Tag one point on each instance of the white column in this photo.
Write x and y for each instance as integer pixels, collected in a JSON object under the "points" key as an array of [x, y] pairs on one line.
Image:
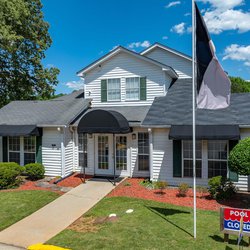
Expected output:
{"points": [[62, 151], [151, 151]]}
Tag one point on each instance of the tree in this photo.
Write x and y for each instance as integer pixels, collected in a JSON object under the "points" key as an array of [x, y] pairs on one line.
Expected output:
{"points": [[239, 85], [239, 158], [24, 38]]}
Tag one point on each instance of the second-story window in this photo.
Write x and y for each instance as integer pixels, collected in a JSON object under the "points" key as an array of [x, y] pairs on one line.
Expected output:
{"points": [[114, 89], [133, 88]]}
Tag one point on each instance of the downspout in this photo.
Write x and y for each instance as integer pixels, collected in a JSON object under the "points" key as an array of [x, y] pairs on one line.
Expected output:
{"points": [[72, 130], [150, 153], [63, 151]]}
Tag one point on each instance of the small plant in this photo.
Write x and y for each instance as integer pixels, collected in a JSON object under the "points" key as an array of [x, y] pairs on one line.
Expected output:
{"points": [[161, 185], [127, 184], [34, 171], [221, 188], [183, 189], [9, 171], [202, 190], [147, 184]]}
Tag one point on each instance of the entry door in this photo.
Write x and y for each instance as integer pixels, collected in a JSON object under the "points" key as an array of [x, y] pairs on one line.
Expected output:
{"points": [[104, 152], [121, 154]]}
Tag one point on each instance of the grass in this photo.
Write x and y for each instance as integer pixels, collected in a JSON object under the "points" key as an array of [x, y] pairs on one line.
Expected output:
{"points": [[19, 204], [152, 225]]}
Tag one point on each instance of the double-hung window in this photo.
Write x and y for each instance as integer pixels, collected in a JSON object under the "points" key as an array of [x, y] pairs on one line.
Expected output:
{"points": [[133, 88], [143, 152], [188, 158], [217, 158], [114, 89], [22, 150]]}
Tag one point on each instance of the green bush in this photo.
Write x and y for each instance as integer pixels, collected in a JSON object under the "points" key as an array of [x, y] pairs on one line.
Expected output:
{"points": [[9, 171], [161, 185], [183, 189], [239, 158], [221, 188], [34, 171], [202, 190]]}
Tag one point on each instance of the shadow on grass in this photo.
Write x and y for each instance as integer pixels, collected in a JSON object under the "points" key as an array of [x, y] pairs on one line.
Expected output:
{"points": [[163, 212], [230, 241]]}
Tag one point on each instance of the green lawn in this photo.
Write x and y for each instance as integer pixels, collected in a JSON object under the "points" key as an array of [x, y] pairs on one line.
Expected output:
{"points": [[19, 204], [152, 225]]}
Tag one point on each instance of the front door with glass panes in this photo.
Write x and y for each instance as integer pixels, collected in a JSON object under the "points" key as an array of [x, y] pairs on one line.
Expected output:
{"points": [[104, 155]]}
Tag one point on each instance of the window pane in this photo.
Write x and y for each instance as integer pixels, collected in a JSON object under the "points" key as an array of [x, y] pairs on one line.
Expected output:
{"points": [[14, 143], [121, 153], [143, 151], [188, 149], [216, 168], [14, 157], [114, 89], [82, 149], [217, 150], [132, 88], [29, 144], [188, 168], [29, 158], [103, 152]]}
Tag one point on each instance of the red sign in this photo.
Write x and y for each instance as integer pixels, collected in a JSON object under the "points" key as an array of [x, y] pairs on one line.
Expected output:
{"points": [[232, 219]]}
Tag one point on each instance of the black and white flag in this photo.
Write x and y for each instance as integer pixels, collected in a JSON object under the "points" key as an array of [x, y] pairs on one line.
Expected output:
{"points": [[213, 84]]}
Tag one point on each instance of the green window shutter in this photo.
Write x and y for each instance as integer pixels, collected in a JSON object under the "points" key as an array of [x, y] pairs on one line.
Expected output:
{"points": [[232, 175], [103, 90], [5, 149], [39, 149], [143, 88], [177, 158]]}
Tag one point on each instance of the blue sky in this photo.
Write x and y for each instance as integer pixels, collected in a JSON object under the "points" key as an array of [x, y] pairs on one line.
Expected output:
{"points": [[84, 30]]}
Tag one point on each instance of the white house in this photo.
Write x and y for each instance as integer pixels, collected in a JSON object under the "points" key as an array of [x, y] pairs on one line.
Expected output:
{"points": [[133, 118]]}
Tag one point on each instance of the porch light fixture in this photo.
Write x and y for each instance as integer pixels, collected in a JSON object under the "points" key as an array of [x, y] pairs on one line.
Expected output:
{"points": [[90, 136], [133, 136]]}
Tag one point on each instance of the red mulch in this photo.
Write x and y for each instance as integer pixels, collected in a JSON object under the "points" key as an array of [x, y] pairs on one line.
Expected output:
{"points": [[71, 181], [170, 196]]}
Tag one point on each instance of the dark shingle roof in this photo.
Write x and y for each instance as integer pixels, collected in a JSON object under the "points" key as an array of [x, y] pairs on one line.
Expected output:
{"points": [[134, 115], [176, 109], [59, 111]]}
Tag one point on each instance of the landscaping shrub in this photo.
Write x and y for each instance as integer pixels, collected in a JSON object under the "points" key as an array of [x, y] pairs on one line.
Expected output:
{"points": [[161, 185], [202, 190], [9, 171], [147, 184], [239, 158], [34, 171], [183, 189], [221, 188]]}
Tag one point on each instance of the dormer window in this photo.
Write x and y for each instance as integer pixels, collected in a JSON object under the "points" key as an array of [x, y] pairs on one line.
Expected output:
{"points": [[133, 88]]}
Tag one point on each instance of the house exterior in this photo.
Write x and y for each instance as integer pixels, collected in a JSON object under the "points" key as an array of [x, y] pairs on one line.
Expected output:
{"points": [[133, 118]]}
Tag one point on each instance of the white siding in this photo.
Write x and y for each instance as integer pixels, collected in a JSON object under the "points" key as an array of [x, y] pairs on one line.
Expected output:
{"points": [[122, 66], [182, 66], [68, 143], [1, 148], [51, 156]]}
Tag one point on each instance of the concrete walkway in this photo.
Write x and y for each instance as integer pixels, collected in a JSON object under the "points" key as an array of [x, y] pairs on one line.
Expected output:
{"points": [[45, 223]]}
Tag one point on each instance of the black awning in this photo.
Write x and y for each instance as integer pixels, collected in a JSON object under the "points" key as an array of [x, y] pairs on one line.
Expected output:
{"points": [[205, 132], [103, 121], [19, 130]]}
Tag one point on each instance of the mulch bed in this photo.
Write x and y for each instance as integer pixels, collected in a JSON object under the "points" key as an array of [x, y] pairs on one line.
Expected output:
{"points": [[132, 188], [71, 181]]}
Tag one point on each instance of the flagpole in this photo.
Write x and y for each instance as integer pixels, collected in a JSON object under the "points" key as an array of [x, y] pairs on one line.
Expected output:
{"points": [[194, 106]]}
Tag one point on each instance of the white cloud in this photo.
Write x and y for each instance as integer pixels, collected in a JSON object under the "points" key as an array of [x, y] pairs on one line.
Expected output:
{"points": [[171, 4], [181, 28], [238, 53], [114, 47], [220, 4], [76, 85], [187, 14], [144, 44], [165, 38], [223, 16]]}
